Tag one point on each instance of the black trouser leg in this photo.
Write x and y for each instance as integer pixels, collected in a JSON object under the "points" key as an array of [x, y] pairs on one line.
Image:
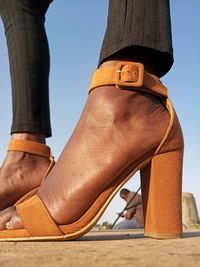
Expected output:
{"points": [[139, 29], [29, 64]]}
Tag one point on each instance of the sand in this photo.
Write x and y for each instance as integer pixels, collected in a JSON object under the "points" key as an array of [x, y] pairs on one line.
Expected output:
{"points": [[106, 248]]}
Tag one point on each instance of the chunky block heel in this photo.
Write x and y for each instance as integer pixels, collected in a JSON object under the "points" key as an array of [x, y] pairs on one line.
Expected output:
{"points": [[161, 182]]}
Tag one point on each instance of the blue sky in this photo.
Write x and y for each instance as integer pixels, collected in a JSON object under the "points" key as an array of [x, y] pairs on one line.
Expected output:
{"points": [[75, 30]]}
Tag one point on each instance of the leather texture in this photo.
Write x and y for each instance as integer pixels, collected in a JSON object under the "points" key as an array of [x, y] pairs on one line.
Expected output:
{"points": [[45, 226], [128, 75], [29, 147]]}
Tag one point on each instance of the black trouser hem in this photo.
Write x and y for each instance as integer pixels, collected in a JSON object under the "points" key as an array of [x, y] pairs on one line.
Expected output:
{"points": [[32, 129], [139, 30], [129, 51]]}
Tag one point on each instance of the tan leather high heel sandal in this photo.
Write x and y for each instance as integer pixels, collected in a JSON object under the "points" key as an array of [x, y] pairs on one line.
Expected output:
{"points": [[161, 174]]}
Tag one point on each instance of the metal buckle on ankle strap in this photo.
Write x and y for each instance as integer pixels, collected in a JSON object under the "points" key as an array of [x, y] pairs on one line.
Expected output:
{"points": [[129, 74]]}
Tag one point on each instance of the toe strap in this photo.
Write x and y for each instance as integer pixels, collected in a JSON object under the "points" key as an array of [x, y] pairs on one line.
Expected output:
{"points": [[36, 218]]}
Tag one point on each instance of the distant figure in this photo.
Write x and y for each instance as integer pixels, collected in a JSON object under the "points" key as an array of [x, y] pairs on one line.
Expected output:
{"points": [[134, 213]]}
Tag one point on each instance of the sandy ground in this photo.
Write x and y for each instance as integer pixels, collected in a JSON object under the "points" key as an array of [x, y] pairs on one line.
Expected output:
{"points": [[109, 248]]}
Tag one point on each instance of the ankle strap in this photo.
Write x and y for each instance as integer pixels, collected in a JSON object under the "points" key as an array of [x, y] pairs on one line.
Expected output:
{"points": [[130, 76], [30, 147]]}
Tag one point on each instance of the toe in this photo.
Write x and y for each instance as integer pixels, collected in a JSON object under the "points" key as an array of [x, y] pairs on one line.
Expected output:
{"points": [[10, 220], [15, 221], [5, 216]]}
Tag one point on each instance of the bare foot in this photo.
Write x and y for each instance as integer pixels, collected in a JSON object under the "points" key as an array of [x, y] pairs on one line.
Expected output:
{"points": [[116, 128], [20, 173]]}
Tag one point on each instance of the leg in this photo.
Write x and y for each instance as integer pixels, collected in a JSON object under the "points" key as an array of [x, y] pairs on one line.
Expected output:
{"points": [[29, 64], [29, 67], [117, 127], [108, 109], [141, 32]]}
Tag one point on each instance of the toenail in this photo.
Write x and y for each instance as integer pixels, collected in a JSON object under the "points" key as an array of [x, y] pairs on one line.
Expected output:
{"points": [[8, 225]]}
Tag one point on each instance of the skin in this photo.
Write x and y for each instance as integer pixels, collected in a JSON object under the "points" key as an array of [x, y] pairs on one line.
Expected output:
{"points": [[125, 197], [116, 128], [127, 214], [21, 172]]}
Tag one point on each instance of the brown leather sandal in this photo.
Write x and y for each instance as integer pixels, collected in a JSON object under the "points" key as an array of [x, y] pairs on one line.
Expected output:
{"points": [[161, 174], [32, 148]]}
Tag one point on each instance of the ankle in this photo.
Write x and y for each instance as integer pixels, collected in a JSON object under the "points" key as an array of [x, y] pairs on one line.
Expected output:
{"points": [[109, 105], [40, 138]]}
